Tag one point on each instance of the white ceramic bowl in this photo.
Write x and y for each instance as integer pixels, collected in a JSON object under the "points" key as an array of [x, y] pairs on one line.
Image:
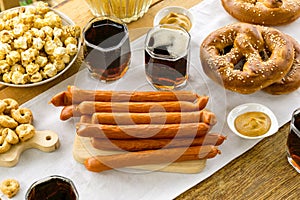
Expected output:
{"points": [[176, 9], [248, 107], [66, 21]]}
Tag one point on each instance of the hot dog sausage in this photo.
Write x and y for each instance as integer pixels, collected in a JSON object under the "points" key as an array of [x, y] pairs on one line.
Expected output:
{"points": [[107, 162], [148, 144], [154, 118], [90, 107], [152, 131], [75, 96]]}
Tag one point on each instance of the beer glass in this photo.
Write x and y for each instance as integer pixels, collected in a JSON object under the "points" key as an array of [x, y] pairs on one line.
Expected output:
{"points": [[293, 141], [106, 48], [167, 52]]}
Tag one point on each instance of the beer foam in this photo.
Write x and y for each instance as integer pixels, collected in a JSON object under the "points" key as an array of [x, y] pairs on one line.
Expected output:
{"points": [[175, 41]]}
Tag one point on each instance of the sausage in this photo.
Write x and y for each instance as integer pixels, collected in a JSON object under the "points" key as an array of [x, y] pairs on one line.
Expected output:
{"points": [[154, 118], [150, 131], [75, 96], [107, 162], [90, 107], [148, 144]]}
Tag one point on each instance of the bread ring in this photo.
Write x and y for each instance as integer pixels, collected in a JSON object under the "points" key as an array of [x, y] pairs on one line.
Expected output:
{"points": [[11, 136], [246, 58], [2, 106], [22, 115], [25, 131], [264, 12], [291, 81], [10, 187], [2, 135], [4, 147], [8, 122], [10, 104]]}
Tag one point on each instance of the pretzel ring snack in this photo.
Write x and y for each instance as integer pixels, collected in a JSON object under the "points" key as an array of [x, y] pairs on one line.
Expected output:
{"points": [[22, 115], [265, 12], [5, 146], [2, 106], [10, 187], [11, 136], [291, 81], [25, 131], [10, 104], [246, 58], [8, 122]]}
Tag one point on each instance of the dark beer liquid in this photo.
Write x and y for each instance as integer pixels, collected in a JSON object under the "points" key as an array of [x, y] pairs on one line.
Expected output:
{"points": [[293, 141], [106, 63], [53, 189], [165, 73]]}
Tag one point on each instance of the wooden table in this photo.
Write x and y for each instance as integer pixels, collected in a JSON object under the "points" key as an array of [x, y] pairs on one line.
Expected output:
{"points": [[261, 173]]}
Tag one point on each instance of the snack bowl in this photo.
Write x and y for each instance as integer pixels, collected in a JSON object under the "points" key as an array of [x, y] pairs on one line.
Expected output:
{"points": [[252, 107], [175, 9], [65, 21]]}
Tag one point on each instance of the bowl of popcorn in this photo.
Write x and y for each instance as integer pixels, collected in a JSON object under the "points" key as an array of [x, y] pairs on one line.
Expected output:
{"points": [[37, 45]]}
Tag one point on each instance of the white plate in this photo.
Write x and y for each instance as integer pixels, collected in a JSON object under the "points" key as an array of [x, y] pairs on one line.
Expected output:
{"points": [[176, 9], [248, 107], [66, 21]]}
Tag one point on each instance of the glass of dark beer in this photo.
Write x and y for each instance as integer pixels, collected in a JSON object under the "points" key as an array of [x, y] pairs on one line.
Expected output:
{"points": [[106, 48], [293, 141], [167, 51], [52, 187]]}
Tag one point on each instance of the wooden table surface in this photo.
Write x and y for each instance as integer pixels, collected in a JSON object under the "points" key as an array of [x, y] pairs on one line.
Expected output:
{"points": [[261, 173]]}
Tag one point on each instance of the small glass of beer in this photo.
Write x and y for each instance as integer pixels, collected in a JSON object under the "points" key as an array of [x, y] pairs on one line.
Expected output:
{"points": [[293, 141], [106, 48], [167, 51]]}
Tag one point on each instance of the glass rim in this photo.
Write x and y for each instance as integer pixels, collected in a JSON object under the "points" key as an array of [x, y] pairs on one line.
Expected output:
{"points": [[168, 27], [104, 17], [297, 131]]}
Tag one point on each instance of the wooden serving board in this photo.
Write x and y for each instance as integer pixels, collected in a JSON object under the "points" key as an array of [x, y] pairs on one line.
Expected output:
{"points": [[46, 141], [83, 149]]}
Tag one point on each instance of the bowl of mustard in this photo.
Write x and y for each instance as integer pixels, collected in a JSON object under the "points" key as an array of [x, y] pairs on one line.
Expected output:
{"points": [[174, 15], [252, 121]]}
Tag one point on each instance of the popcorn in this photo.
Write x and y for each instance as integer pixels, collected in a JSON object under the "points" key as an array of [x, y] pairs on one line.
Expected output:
{"points": [[59, 52], [34, 44], [6, 36], [13, 57], [32, 68], [50, 70]]}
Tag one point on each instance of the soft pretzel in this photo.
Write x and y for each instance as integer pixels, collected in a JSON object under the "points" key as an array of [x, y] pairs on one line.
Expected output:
{"points": [[22, 115], [264, 12], [291, 81], [246, 58], [10, 187], [25, 131]]}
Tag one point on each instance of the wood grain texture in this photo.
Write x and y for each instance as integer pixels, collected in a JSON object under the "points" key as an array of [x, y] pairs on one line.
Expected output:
{"points": [[261, 173]]}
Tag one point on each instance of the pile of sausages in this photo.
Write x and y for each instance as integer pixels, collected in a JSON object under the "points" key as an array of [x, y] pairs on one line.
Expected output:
{"points": [[146, 127]]}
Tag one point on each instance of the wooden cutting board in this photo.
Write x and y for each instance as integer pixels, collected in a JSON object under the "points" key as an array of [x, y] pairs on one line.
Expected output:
{"points": [[46, 141], [83, 149]]}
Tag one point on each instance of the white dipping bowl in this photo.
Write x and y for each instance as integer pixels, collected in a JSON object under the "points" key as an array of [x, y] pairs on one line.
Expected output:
{"points": [[252, 107], [176, 9]]}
